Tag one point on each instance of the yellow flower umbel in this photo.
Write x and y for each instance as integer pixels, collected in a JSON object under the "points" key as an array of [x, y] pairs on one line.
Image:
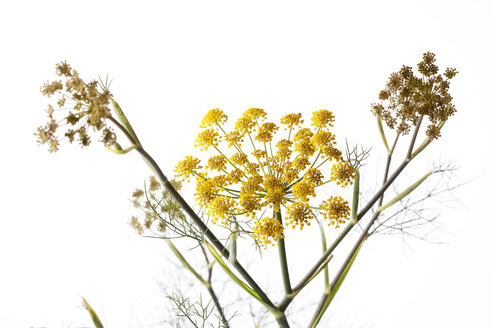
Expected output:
{"points": [[259, 171]]}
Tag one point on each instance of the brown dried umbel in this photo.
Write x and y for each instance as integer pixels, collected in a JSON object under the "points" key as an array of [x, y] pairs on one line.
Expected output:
{"points": [[407, 97], [87, 106]]}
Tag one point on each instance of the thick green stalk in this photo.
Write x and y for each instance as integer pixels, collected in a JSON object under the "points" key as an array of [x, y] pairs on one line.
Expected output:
{"points": [[283, 259], [323, 247], [282, 320], [355, 198]]}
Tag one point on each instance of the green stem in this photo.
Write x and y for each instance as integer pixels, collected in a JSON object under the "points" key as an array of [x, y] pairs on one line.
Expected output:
{"points": [[254, 148], [233, 252], [383, 135], [284, 303], [235, 145], [338, 279], [211, 290], [266, 158], [218, 307], [426, 142], [185, 263], [283, 259], [315, 160], [216, 148], [323, 247], [355, 197], [236, 279], [282, 320], [404, 193], [330, 293], [323, 267]]}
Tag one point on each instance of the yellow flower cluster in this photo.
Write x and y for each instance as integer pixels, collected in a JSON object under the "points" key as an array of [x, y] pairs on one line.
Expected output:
{"points": [[213, 116], [217, 163], [336, 209], [187, 166], [299, 214], [343, 174], [267, 231], [256, 175], [291, 120], [207, 138]]}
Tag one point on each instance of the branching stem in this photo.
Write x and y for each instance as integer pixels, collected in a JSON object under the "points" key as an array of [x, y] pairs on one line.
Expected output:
{"points": [[196, 219]]}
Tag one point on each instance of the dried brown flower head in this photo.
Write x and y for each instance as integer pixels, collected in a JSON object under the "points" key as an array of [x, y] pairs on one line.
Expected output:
{"points": [[407, 97], [85, 107]]}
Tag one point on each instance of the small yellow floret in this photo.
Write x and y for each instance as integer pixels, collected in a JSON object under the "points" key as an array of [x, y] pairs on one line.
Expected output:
{"points": [[300, 163], [322, 118], [323, 142], [304, 133], [235, 175], [213, 116], [291, 120], [303, 189], [206, 191], [207, 138], [234, 138], [314, 176], [244, 125], [221, 208], [268, 231], [217, 163], [239, 158], [343, 174], [271, 182], [187, 166], [252, 185], [304, 147], [249, 203], [299, 214], [336, 209], [275, 197], [255, 114], [284, 151], [265, 132]]}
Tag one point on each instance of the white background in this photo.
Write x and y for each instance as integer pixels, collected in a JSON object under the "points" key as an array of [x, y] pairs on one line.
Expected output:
{"points": [[64, 232]]}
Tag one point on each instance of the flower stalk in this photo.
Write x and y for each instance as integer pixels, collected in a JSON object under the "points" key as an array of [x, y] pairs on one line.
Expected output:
{"points": [[235, 190], [284, 268]]}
